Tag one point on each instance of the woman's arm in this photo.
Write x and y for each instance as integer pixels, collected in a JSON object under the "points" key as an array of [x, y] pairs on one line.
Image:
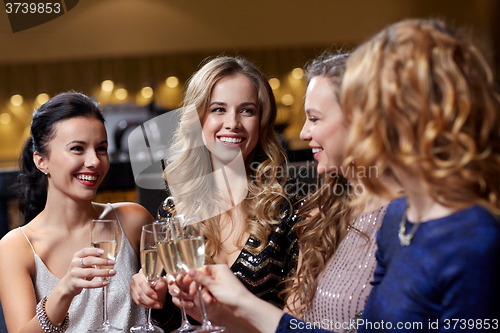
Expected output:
{"points": [[218, 313], [225, 288]]}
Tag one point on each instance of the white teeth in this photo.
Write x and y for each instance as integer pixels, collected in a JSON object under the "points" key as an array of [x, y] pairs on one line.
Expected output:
{"points": [[230, 140], [316, 150], [87, 178]]}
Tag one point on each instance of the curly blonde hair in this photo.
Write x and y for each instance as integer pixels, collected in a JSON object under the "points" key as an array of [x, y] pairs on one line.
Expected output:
{"points": [[421, 97], [320, 234], [191, 159]]}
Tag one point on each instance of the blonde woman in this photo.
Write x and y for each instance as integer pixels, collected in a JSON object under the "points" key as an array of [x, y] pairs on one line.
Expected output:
{"points": [[422, 103], [337, 240], [235, 106]]}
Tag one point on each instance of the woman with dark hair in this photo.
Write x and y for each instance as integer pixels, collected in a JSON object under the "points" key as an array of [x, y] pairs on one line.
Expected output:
{"points": [[48, 260]]}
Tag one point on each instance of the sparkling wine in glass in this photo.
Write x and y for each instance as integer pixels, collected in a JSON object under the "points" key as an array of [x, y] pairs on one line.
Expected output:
{"points": [[191, 249], [103, 235], [167, 233], [151, 268]]}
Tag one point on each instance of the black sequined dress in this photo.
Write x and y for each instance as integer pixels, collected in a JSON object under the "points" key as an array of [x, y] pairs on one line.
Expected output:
{"points": [[261, 273]]}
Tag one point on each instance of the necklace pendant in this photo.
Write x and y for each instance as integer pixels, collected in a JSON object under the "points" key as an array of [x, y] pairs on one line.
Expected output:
{"points": [[404, 240]]}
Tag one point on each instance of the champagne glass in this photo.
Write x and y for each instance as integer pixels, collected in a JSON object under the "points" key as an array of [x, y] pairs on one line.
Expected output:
{"points": [[167, 233], [151, 268], [191, 249], [103, 234]]}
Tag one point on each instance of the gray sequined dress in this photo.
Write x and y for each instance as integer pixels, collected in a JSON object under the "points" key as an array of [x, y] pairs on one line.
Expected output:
{"points": [[344, 285]]}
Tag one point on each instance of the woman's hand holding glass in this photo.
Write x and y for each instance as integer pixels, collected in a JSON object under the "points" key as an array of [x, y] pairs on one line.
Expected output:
{"points": [[147, 295], [221, 287], [84, 270], [184, 293]]}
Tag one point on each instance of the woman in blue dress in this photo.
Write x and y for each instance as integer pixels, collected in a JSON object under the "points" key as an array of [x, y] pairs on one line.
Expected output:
{"points": [[422, 103]]}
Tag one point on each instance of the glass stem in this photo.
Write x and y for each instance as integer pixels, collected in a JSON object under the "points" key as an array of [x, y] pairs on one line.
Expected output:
{"points": [[206, 322], [105, 322], [148, 324], [185, 322]]}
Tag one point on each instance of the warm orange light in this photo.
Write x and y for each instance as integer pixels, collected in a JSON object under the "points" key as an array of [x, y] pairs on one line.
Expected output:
{"points": [[287, 99], [147, 92], [5, 118], [121, 94], [107, 85], [16, 100], [298, 73], [274, 83], [42, 98], [172, 82]]}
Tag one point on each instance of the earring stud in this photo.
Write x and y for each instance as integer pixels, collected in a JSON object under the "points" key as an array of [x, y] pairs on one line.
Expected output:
{"points": [[45, 173]]}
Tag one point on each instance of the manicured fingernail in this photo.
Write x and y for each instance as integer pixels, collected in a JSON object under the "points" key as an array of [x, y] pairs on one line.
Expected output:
{"points": [[111, 262], [105, 282], [112, 272], [175, 291], [100, 251]]}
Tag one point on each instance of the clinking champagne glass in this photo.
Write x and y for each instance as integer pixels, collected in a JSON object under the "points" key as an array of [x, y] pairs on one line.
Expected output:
{"points": [[103, 235], [151, 268], [167, 233], [191, 249]]}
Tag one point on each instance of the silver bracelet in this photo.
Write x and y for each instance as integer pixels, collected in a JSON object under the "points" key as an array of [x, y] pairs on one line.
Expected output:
{"points": [[44, 320]]}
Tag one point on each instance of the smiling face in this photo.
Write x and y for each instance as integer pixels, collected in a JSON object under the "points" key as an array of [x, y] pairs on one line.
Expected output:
{"points": [[77, 158], [325, 128], [231, 121]]}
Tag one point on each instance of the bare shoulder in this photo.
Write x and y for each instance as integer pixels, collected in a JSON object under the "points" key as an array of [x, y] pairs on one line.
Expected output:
{"points": [[133, 211], [14, 239], [126, 211], [20, 259]]}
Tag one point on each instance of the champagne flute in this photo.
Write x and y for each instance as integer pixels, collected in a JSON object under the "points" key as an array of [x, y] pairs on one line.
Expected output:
{"points": [[167, 233], [191, 249], [103, 234], [151, 268]]}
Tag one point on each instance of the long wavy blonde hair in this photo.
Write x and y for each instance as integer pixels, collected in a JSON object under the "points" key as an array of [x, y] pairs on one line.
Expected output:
{"points": [[320, 234], [421, 97], [191, 159]]}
